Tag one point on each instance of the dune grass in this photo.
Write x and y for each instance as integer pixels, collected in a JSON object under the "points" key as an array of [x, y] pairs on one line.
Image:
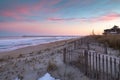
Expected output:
{"points": [[112, 41], [51, 67]]}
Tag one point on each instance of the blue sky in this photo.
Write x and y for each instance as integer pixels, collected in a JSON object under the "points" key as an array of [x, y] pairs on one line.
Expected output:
{"points": [[58, 17]]}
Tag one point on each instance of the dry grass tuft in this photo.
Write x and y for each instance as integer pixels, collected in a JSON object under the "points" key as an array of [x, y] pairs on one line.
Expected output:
{"points": [[51, 67], [112, 41], [1, 60], [20, 56]]}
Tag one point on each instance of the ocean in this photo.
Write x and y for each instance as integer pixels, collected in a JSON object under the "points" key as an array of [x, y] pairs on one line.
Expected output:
{"points": [[12, 43]]}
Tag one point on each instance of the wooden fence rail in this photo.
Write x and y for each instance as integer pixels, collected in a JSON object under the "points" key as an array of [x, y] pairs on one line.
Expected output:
{"points": [[94, 65]]}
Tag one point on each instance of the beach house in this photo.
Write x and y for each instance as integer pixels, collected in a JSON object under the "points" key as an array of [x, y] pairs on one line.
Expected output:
{"points": [[114, 30]]}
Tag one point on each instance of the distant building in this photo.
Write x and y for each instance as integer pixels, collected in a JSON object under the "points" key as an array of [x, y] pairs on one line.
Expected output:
{"points": [[114, 30]]}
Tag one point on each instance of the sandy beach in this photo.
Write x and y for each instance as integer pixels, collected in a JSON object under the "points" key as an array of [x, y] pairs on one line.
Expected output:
{"points": [[31, 63], [35, 48]]}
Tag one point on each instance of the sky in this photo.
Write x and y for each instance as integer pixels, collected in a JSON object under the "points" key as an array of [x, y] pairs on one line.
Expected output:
{"points": [[57, 17]]}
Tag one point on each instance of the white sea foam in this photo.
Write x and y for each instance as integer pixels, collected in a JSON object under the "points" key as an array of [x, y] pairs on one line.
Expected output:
{"points": [[12, 44]]}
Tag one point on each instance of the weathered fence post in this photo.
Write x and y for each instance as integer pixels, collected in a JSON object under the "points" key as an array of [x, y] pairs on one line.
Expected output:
{"points": [[115, 77], [88, 46], [103, 67], [74, 45], [86, 62], [105, 48], [107, 68], [119, 70], [64, 55], [111, 67], [96, 67], [93, 65], [99, 66], [89, 64]]}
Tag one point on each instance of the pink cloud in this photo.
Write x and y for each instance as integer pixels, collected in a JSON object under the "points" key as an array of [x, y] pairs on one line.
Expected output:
{"points": [[68, 19], [12, 15], [36, 28], [62, 19], [41, 6], [8, 13], [107, 17], [44, 28], [16, 14], [21, 27], [46, 6], [23, 10]]}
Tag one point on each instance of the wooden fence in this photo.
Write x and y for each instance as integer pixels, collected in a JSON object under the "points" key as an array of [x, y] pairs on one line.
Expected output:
{"points": [[100, 66], [94, 65]]}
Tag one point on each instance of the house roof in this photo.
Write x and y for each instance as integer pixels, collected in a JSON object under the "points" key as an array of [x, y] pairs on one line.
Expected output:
{"points": [[114, 30]]}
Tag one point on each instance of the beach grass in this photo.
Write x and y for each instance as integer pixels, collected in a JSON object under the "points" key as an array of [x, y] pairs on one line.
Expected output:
{"points": [[112, 41]]}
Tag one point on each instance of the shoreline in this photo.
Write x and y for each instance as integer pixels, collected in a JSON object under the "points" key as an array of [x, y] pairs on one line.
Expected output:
{"points": [[34, 48], [11, 44], [31, 63]]}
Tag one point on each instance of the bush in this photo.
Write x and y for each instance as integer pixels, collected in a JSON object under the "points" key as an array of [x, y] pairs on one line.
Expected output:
{"points": [[1, 59], [20, 55], [51, 67]]}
